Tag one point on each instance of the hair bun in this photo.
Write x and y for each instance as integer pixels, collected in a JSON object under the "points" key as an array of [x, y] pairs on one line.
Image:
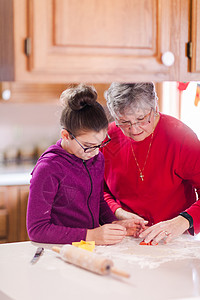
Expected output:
{"points": [[79, 97]]}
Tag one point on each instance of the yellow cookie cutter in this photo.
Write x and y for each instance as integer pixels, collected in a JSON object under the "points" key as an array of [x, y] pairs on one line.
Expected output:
{"points": [[89, 246]]}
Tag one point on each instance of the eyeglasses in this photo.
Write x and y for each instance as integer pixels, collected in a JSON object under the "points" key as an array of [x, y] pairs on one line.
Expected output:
{"points": [[127, 124], [90, 149]]}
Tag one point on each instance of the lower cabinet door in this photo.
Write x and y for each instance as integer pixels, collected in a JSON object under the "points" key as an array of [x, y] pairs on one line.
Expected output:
{"points": [[13, 204]]}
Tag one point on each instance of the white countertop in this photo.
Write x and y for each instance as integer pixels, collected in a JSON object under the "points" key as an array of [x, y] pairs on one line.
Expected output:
{"points": [[157, 272], [15, 175]]}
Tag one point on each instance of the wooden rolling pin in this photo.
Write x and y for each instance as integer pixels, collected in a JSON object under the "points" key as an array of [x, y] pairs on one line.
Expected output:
{"points": [[87, 260]]}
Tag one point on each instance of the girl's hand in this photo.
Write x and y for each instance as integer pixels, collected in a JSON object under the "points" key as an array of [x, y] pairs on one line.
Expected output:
{"points": [[122, 214], [165, 230], [133, 226], [107, 234]]}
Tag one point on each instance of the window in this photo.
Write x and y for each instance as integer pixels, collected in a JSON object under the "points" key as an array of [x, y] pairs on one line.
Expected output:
{"points": [[181, 105]]}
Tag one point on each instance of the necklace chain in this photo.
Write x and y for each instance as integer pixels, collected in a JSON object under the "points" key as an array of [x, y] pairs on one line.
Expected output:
{"points": [[142, 170]]}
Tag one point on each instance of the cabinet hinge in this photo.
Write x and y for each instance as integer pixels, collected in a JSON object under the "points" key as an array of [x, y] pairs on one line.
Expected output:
{"points": [[189, 49], [27, 46]]}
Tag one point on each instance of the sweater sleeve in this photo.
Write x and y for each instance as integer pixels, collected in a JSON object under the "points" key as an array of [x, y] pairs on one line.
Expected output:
{"points": [[110, 199], [190, 170], [43, 188], [106, 215]]}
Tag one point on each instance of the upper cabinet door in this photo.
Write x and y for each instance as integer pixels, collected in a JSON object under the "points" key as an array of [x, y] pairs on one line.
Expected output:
{"points": [[97, 40], [189, 40], [195, 36]]}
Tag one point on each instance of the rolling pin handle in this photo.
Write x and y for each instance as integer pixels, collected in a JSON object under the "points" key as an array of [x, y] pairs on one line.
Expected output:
{"points": [[119, 272]]}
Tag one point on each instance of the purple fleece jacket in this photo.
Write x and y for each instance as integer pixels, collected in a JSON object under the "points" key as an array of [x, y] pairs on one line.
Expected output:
{"points": [[65, 200]]}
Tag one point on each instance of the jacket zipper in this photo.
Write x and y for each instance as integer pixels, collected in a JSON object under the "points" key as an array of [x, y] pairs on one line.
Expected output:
{"points": [[90, 193]]}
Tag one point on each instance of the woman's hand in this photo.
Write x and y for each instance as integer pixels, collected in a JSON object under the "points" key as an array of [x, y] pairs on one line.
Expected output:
{"points": [[122, 214], [133, 226], [107, 234], [165, 230]]}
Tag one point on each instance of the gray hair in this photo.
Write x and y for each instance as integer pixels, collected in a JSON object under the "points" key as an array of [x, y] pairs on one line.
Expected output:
{"points": [[128, 98]]}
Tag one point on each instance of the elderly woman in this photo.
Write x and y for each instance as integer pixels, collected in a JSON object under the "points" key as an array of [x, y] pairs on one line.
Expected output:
{"points": [[152, 164]]}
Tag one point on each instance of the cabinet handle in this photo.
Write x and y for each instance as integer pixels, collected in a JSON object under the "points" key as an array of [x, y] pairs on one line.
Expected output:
{"points": [[168, 58], [6, 95]]}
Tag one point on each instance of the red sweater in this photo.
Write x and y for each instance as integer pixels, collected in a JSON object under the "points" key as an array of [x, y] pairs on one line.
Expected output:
{"points": [[171, 173]]}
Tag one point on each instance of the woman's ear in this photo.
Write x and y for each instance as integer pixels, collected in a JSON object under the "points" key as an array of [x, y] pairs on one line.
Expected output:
{"points": [[65, 134]]}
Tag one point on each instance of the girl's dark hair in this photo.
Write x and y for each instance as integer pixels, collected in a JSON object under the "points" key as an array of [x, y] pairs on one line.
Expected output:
{"points": [[81, 110]]}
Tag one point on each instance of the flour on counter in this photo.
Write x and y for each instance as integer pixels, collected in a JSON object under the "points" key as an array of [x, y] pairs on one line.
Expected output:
{"points": [[129, 251]]}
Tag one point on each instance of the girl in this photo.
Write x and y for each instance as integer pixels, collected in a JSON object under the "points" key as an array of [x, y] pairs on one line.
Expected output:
{"points": [[66, 192]]}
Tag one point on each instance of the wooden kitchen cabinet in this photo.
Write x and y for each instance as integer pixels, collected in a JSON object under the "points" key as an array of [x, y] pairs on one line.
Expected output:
{"points": [[190, 40], [23, 193], [13, 204], [95, 41], [195, 36], [84, 40], [99, 41]]}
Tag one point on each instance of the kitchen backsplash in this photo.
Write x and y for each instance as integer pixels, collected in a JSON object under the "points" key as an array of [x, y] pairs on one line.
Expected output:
{"points": [[26, 130]]}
